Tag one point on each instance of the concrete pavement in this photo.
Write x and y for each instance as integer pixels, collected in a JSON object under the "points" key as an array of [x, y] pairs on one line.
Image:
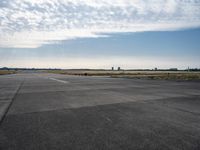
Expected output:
{"points": [[49, 111]]}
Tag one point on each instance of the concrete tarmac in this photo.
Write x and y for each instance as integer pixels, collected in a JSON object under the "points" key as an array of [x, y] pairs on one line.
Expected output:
{"points": [[40, 111]]}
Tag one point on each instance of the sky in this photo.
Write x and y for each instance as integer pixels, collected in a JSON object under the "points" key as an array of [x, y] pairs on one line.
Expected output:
{"points": [[99, 34]]}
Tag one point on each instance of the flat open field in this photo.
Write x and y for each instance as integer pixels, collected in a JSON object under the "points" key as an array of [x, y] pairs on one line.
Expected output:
{"points": [[176, 75], [41, 111], [4, 72]]}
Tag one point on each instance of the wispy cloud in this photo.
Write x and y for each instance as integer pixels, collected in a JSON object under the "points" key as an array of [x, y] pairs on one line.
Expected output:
{"points": [[33, 23]]}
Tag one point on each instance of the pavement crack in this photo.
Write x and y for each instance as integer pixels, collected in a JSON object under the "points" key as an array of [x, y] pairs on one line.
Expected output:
{"points": [[11, 102]]}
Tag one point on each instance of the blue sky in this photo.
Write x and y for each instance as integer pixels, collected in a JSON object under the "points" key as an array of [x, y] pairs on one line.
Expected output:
{"points": [[100, 34]]}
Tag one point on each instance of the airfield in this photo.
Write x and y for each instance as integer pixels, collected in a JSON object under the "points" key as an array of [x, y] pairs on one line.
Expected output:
{"points": [[44, 111]]}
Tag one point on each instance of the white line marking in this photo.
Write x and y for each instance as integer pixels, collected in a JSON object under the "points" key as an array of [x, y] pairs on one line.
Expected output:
{"points": [[62, 81]]}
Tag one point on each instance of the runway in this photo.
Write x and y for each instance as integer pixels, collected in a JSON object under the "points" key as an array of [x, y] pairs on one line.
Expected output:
{"points": [[41, 111]]}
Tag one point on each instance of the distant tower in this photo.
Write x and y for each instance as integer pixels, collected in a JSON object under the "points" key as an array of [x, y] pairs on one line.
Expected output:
{"points": [[118, 68], [112, 68]]}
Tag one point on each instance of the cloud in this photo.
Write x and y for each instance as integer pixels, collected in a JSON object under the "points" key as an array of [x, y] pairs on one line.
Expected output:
{"points": [[33, 23]]}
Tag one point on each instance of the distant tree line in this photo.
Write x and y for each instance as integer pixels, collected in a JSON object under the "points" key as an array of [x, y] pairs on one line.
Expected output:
{"points": [[155, 69], [6, 68]]}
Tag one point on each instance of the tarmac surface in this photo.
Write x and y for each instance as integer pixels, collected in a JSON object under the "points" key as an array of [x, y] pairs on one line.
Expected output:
{"points": [[40, 111]]}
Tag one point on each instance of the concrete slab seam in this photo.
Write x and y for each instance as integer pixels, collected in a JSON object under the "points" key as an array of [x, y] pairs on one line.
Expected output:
{"points": [[11, 102]]}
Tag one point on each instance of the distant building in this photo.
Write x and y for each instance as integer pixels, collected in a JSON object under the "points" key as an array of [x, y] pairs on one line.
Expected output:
{"points": [[118, 68], [112, 68]]}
